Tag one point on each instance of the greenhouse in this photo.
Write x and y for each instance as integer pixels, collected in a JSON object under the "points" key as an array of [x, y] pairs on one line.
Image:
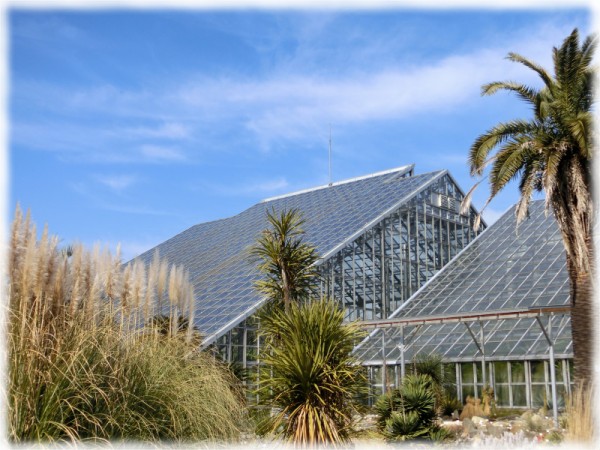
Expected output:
{"points": [[498, 314], [397, 253]]}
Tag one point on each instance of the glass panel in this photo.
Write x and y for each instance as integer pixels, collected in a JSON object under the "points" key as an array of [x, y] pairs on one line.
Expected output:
{"points": [[450, 373], [537, 371], [558, 371], [502, 398], [517, 372], [376, 375], [519, 395], [467, 390], [539, 395], [466, 370], [501, 372]]}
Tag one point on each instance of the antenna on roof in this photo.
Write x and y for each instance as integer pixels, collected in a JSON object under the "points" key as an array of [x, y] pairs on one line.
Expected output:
{"points": [[330, 182]]}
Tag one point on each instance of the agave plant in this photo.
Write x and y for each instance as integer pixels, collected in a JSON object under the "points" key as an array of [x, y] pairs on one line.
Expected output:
{"points": [[410, 411], [309, 376]]}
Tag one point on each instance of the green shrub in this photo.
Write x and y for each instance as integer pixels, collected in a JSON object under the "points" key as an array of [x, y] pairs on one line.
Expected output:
{"points": [[385, 405], [309, 374], [404, 425], [449, 405], [408, 412]]}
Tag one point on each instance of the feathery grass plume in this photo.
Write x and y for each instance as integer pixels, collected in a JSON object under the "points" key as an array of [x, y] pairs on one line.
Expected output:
{"points": [[161, 282], [580, 408], [75, 373]]}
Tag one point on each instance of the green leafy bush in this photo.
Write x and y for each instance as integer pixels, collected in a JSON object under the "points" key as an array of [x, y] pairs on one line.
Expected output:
{"points": [[403, 425], [309, 374], [408, 412]]}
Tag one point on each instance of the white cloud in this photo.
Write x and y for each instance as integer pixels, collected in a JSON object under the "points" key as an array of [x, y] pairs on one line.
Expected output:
{"points": [[169, 130], [159, 153], [116, 183], [285, 106]]}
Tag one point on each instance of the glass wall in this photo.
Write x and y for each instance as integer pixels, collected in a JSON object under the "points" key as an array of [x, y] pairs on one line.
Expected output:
{"points": [[516, 384], [389, 261]]}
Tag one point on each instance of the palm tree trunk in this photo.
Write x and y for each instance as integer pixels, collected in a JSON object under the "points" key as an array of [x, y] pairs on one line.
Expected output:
{"points": [[573, 209], [582, 322]]}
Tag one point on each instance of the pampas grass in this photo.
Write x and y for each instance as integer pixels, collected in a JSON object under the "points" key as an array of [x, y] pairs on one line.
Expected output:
{"points": [[580, 414], [82, 364]]}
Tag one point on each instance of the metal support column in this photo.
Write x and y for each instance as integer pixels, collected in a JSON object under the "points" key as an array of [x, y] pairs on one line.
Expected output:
{"points": [[483, 368], [402, 362], [480, 348], [384, 364], [548, 335]]}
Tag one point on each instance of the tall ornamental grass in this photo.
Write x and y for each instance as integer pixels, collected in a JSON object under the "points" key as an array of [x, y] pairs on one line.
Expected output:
{"points": [[580, 411], [84, 365]]}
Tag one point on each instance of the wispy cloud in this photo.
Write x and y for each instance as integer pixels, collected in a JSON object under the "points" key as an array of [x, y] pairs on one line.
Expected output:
{"points": [[159, 153], [170, 130], [282, 106], [116, 183]]}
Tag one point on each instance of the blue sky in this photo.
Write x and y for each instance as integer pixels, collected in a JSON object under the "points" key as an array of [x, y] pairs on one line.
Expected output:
{"points": [[131, 126]]}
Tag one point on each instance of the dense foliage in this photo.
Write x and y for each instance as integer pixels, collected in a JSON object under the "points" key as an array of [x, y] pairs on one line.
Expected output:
{"points": [[309, 373], [82, 366]]}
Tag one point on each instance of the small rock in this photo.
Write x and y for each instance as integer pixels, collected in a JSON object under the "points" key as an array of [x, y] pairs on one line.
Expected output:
{"points": [[493, 430], [469, 428], [517, 426], [479, 421], [455, 415]]}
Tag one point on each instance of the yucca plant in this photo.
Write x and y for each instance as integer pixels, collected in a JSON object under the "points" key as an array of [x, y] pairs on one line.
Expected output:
{"points": [[284, 260], [309, 376], [410, 411], [386, 404]]}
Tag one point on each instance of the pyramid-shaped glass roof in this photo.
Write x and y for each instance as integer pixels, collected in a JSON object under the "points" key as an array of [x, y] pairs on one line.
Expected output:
{"points": [[507, 268], [216, 253]]}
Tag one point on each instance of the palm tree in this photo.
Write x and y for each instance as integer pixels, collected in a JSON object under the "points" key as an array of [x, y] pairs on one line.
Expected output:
{"points": [[552, 152], [286, 262]]}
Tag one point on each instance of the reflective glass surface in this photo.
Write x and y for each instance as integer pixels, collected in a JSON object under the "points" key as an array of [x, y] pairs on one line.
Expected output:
{"points": [[506, 267], [217, 253]]}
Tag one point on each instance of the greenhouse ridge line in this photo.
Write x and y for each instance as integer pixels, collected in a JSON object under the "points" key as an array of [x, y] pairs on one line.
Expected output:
{"points": [[521, 313]]}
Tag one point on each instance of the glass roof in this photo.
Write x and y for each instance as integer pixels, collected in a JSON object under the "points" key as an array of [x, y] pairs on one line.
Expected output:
{"points": [[216, 253], [506, 267]]}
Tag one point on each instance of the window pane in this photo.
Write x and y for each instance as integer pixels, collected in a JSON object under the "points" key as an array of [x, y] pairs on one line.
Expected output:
{"points": [[558, 370], [479, 374], [537, 372], [518, 372], [450, 373], [376, 375], [519, 396], [539, 396], [501, 372], [502, 395], [467, 372], [467, 390]]}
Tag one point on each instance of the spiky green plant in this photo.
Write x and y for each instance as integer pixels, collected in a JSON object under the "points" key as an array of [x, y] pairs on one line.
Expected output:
{"points": [[410, 411], [310, 376], [386, 404], [553, 152], [404, 425], [285, 261]]}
